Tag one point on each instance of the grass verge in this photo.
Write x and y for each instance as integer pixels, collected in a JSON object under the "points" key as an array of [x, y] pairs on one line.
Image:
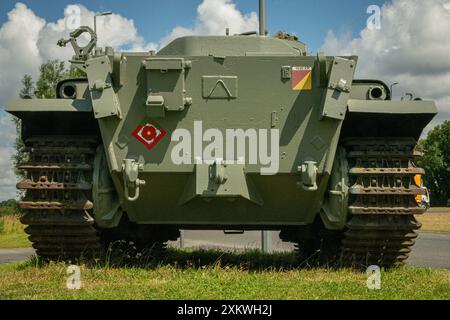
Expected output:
{"points": [[435, 222], [217, 275], [12, 234], [440, 210]]}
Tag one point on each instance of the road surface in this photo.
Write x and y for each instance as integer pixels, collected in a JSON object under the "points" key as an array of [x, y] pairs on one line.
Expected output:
{"points": [[431, 250], [15, 255]]}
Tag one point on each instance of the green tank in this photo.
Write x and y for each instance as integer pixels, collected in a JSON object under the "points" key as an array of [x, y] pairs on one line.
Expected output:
{"points": [[236, 132]]}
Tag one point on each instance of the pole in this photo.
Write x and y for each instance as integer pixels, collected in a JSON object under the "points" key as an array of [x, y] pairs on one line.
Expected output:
{"points": [[95, 31], [181, 239], [265, 242], [392, 89], [95, 24], [108, 13], [262, 18]]}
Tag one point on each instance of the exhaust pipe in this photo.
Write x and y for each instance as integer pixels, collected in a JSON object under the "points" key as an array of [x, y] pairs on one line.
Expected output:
{"points": [[262, 18]]}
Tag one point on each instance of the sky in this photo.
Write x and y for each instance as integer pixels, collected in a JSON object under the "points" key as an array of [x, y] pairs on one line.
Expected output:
{"points": [[411, 45], [155, 19]]}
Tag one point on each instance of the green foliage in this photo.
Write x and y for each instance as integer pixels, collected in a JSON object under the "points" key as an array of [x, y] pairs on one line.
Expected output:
{"points": [[27, 90], [9, 208], [50, 74], [436, 162], [12, 233], [20, 156], [11, 203], [74, 73]]}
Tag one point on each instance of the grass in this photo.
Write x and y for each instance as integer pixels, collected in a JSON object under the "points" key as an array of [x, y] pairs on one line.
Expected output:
{"points": [[435, 222], [12, 234], [440, 209], [211, 275], [217, 275]]}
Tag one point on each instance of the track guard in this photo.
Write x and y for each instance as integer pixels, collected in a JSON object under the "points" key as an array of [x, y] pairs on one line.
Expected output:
{"points": [[107, 206], [334, 210]]}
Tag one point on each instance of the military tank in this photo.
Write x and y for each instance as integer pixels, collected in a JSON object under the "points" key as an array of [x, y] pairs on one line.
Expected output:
{"points": [[234, 132]]}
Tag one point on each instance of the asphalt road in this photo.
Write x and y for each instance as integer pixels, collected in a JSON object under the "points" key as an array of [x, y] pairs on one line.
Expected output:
{"points": [[431, 250], [15, 255]]}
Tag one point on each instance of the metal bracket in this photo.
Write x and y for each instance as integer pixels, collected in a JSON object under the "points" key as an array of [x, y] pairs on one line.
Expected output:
{"points": [[218, 172], [166, 84], [336, 97], [104, 98], [155, 107], [131, 169], [286, 72], [341, 86], [334, 208], [119, 69], [322, 70], [309, 176], [220, 180], [220, 87], [81, 53], [107, 209]]}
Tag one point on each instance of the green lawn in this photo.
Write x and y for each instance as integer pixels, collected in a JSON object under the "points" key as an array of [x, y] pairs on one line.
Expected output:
{"points": [[12, 234], [215, 275], [435, 222], [206, 275], [440, 209]]}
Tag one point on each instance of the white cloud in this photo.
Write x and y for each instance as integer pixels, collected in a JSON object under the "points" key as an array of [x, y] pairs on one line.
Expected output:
{"points": [[411, 48], [20, 55], [213, 17], [114, 31], [18, 49], [7, 137], [26, 41]]}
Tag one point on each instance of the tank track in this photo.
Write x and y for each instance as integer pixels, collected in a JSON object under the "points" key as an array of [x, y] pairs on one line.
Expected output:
{"points": [[382, 228], [57, 202]]}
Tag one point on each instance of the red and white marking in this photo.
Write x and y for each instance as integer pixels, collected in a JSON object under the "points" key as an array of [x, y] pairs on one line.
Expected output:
{"points": [[149, 135]]}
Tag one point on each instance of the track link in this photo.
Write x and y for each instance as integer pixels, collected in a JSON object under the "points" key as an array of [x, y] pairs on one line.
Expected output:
{"points": [[57, 201], [383, 201]]}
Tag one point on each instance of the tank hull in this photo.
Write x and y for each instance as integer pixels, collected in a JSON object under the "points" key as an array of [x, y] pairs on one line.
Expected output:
{"points": [[270, 139]]}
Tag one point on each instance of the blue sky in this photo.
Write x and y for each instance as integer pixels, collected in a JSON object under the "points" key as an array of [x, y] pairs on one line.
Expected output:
{"points": [[154, 19]]}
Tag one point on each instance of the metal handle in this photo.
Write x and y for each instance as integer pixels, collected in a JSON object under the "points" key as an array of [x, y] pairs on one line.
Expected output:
{"points": [[131, 179]]}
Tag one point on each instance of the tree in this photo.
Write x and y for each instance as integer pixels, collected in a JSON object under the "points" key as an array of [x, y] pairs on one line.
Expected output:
{"points": [[27, 90], [50, 73], [21, 156], [9, 207], [436, 162]]}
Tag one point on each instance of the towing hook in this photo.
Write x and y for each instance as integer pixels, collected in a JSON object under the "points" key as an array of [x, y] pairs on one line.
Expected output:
{"points": [[308, 173], [132, 183]]}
